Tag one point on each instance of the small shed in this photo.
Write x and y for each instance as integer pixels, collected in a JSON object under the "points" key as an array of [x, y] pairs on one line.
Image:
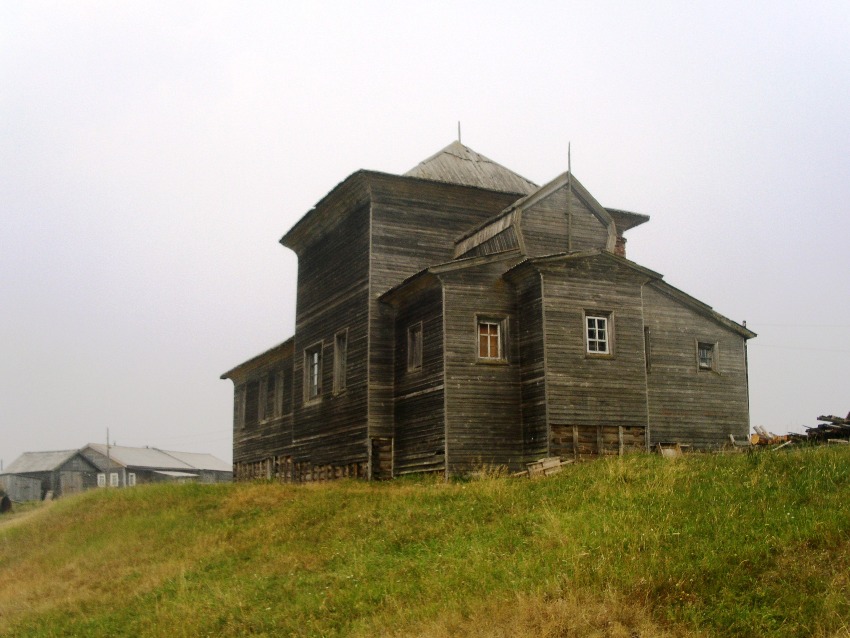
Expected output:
{"points": [[33, 474]]}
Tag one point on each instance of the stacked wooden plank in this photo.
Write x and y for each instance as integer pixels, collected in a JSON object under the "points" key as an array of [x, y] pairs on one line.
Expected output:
{"points": [[546, 466], [831, 428]]}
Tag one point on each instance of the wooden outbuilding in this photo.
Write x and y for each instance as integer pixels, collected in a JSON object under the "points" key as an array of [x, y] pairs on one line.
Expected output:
{"points": [[33, 475], [460, 315]]}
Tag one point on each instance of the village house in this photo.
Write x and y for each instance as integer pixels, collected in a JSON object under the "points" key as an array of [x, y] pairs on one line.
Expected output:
{"points": [[461, 315], [123, 466], [34, 475]]}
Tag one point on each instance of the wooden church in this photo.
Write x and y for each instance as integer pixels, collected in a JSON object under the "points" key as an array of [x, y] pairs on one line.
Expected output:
{"points": [[460, 315]]}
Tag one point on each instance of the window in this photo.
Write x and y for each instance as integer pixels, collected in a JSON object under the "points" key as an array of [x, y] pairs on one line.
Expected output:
{"points": [[270, 402], [131, 479], [340, 357], [101, 480], [252, 404], [239, 407], [706, 355], [491, 339], [414, 347], [113, 479], [313, 372], [598, 333], [647, 348]]}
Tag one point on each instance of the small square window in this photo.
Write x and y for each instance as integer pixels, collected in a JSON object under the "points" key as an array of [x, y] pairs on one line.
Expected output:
{"points": [[706, 355], [491, 339], [414, 347], [598, 334], [313, 372]]}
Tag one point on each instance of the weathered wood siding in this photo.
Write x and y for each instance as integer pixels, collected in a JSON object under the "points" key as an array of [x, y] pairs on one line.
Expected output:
{"points": [[333, 296], [589, 390], [414, 225], [484, 418], [271, 434], [500, 243], [419, 400], [529, 291], [545, 226], [686, 404]]}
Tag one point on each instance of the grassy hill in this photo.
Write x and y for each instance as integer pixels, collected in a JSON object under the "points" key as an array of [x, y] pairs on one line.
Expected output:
{"points": [[734, 545]]}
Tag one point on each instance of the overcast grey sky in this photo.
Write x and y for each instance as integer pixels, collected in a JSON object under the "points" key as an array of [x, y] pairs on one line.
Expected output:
{"points": [[153, 153]]}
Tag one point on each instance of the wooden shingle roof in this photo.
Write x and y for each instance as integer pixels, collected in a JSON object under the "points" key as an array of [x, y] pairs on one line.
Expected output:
{"points": [[459, 164]]}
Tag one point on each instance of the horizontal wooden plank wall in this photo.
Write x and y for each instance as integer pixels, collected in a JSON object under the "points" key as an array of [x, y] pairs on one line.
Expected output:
{"points": [[584, 389], [545, 226], [415, 223], [529, 291], [419, 400], [502, 242], [484, 416], [333, 297], [270, 432], [688, 405]]}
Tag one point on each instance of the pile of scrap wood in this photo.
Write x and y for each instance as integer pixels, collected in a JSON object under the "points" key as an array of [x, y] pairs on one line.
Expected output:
{"points": [[763, 437], [547, 466], [831, 429]]}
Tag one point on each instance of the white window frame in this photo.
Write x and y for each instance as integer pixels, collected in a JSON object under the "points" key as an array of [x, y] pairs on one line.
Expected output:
{"points": [[131, 479], [101, 479], [596, 322], [114, 480], [484, 341]]}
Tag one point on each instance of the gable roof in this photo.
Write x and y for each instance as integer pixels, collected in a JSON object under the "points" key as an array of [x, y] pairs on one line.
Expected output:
{"points": [[654, 279], [512, 214], [202, 461], [139, 457], [702, 308], [153, 458], [459, 164], [39, 461]]}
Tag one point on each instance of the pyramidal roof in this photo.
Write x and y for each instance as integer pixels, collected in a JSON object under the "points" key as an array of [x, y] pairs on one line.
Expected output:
{"points": [[459, 164]]}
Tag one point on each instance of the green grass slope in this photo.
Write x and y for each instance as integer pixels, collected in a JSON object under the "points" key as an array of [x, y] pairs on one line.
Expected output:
{"points": [[732, 545]]}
